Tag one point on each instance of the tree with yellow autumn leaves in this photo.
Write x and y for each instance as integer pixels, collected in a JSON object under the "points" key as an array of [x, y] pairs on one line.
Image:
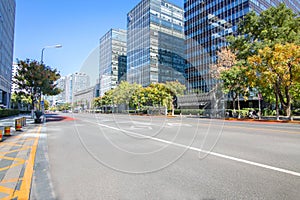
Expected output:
{"points": [[267, 57]]}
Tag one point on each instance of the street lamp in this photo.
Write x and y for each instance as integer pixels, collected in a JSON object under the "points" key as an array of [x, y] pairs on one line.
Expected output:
{"points": [[47, 47], [42, 56]]}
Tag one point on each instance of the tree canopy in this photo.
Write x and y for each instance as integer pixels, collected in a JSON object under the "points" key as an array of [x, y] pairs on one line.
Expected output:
{"points": [[35, 79], [276, 25], [279, 68], [135, 96], [267, 45]]}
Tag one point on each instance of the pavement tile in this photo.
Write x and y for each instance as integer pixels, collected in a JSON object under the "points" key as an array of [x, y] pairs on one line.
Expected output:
{"points": [[17, 153]]}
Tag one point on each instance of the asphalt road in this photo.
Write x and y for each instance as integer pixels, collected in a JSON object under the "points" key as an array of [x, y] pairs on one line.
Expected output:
{"points": [[96, 156]]}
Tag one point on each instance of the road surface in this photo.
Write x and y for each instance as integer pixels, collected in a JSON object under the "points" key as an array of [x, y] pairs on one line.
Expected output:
{"points": [[99, 156]]}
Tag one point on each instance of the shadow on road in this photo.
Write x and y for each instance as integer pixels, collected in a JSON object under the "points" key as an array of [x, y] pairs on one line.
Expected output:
{"points": [[57, 118]]}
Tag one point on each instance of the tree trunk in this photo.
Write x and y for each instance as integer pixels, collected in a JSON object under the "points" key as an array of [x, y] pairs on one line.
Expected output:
{"points": [[285, 101], [239, 106], [233, 102], [277, 106]]}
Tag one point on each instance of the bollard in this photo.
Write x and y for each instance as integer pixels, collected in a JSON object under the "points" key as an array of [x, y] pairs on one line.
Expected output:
{"points": [[18, 125], [1, 135], [21, 121], [7, 131]]}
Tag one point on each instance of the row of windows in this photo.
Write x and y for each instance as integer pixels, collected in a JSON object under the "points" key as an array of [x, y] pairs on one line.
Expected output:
{"points": [[216, 7]]}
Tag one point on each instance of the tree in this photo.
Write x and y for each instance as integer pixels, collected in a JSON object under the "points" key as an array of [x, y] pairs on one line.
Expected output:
{"points": [[279, 68], [274, 26], [176, 89], [231, 73], [20, 100], [136, 96], [139, 98], [105, 101], [46, 104], [226, 59], [122, 94], [35, 79], [234, 82], [158, 94]]}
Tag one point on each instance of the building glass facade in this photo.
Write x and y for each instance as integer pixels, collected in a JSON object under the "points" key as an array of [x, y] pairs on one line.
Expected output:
{"points": [[207, 23], [112, 63], [7, 27], [155, 43]]}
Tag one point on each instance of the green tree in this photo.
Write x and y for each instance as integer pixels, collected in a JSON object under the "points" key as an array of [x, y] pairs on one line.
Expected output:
{"points": [[35, 79], [122, 94], [140, 98], [157, 95], [274, 26], [234, 82], [105, 101], [19, 99], [46, 104], [64, 106], [176, 89]]}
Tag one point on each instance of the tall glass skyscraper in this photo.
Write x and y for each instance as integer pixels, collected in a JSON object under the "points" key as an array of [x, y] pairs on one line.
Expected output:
{"points": [[112, 64], [7, 29], [155, 43], [207, 23]]}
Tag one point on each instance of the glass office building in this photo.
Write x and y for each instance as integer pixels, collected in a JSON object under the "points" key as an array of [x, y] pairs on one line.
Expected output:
{"points": [[113, 62], [155, 43], [7, 29], [207, 23]]}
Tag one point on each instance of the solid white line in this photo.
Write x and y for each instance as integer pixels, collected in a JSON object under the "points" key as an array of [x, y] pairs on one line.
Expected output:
{"points": [[210, 153]]}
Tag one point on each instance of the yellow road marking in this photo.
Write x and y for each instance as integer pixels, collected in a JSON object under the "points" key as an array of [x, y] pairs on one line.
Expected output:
{"points": [[24, 191], [16, 150], [11, 180], [6, 190], [20, 161], [11, 166], [10, 144]]}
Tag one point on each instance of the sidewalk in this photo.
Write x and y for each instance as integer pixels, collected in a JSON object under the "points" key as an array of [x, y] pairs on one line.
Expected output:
{"points": [[17, 157]]}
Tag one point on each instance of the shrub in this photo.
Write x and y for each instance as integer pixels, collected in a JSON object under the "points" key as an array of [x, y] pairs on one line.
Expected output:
{"points": [[7, 113], [189, 111]]}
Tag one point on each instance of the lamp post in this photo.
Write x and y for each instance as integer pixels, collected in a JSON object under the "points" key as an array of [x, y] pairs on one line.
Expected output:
{"points": [[47, 47], [40, 92]]}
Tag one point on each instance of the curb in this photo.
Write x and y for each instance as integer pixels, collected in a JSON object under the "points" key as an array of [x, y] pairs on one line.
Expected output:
{"points": [[263, 120]]}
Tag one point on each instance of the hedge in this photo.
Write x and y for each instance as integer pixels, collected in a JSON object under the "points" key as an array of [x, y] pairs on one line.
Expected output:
{"points": [[189, 111], [8, 113]]}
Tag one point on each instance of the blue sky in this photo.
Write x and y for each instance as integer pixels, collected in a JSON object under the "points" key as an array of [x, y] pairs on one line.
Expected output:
{"points": [[77, 25]]}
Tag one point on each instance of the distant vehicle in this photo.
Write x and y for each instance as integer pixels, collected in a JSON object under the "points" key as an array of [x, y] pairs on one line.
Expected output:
{"points": [[76, 111]]}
